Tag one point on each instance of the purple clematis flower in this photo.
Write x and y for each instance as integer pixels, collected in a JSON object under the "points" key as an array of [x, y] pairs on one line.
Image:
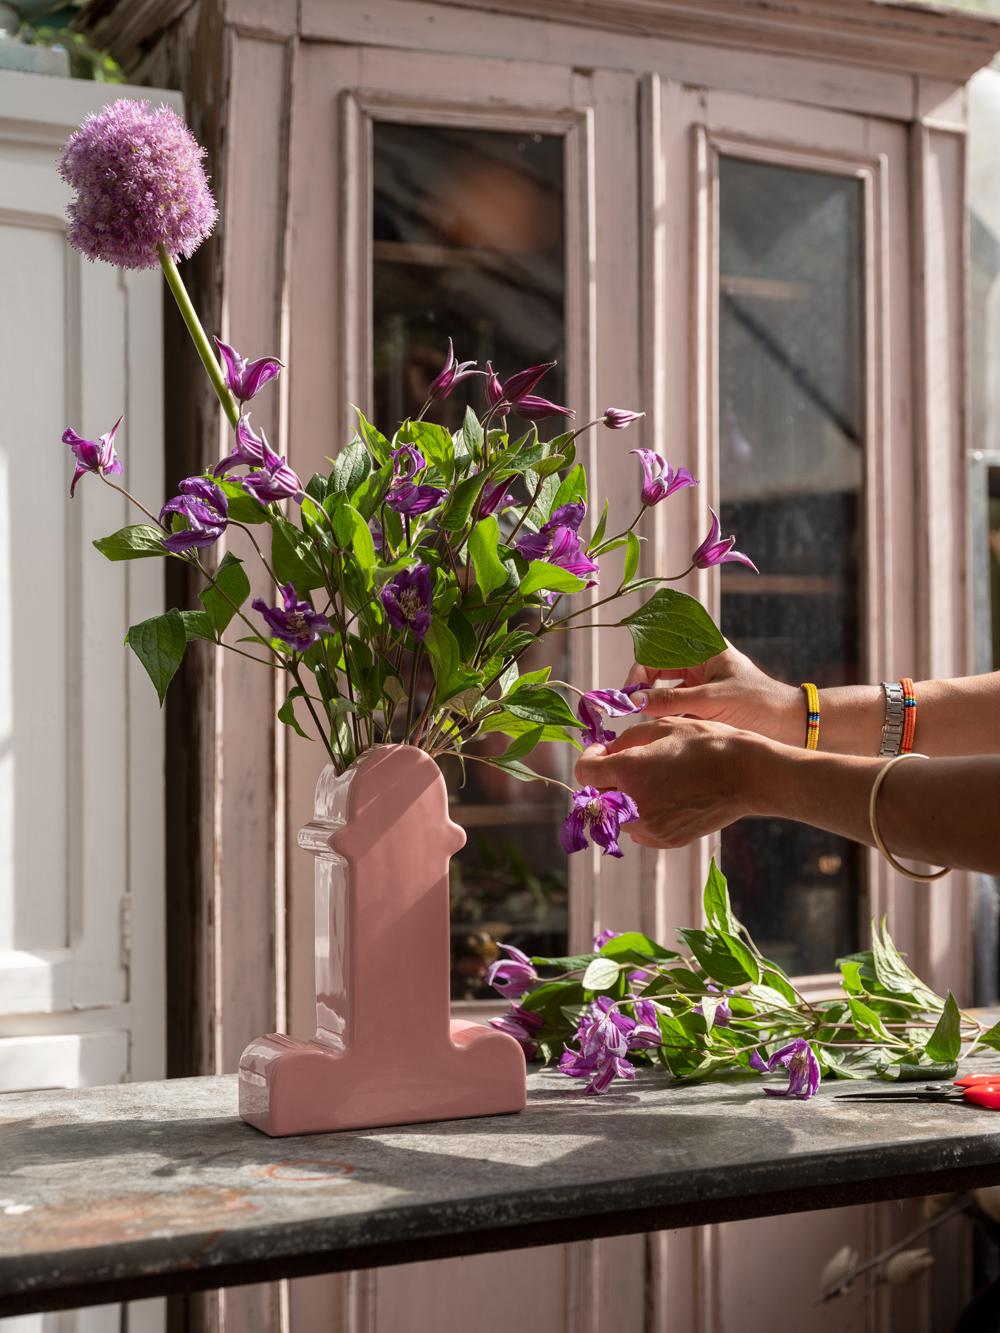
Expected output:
{"points": [[378, 536], [533, 408], [803, 1070], [659, 478], [93, 455], [513, 976], [605, 1037], [615, 703], [617, 418], [757, 1061], [495, 499], [407, 461], [205, 508], [723, 1013], [522, 1025], [603, 936], [525, 381], [494, 389], [716, 550], [404, 495], [407, 600], [518, 392], [601, 814], [245, 379], [558, 542], [451, 373], [295, 623], [275, 480], [249, 451], [646, 1035]]}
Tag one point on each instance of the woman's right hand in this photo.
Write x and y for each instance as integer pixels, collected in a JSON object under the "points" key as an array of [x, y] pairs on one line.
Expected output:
{"points": [[728, 688]]}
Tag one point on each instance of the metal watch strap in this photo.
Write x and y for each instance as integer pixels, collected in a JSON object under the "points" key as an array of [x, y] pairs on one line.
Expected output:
{"points": [[892, 727]]}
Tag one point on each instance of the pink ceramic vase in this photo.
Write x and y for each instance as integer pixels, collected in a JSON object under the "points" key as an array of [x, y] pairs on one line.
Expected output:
{"points": [[386, 1050]]}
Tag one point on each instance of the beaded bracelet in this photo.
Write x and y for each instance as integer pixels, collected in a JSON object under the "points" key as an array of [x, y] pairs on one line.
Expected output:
{"points": [[873, 822], [812, 715], [909, 715]]}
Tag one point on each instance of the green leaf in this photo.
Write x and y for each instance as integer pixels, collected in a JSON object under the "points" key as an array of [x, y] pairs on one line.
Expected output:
{"points": [[598, 534], [159, 644], [718, 912], [509, 725], [945, 1042], [552, 578], [442, 649], [769, 997], [634, 947], [991, 1037], [286, 713], [545, 467], [909, 1071], [483, 543], [894, 975], [353, 466], [472, 433], [866, 1020], [242, 506], [777, 980], [572, 963], [433, 441], [224, 598], [631, 557], [133, 543], [602, 974], [378, 445], [743, 956], [524, 744], [573, 487], [540, 704], [197, 626], [515, 769], [673, 630], [293, 557], [718, 959]]}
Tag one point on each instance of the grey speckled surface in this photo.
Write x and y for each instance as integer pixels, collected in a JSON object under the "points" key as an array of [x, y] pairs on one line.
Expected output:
{"points": [[153, 1187]]}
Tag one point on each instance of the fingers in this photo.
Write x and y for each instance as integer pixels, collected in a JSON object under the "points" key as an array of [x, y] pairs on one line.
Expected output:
{"points": [[666, 702], [595, 768], [640, 675], [641, 734]]}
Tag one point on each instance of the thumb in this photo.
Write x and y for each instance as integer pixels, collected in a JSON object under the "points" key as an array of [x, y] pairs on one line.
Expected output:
{"points": [[676, 701]]}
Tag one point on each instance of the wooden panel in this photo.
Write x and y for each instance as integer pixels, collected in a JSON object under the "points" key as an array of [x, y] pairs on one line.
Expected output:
{"points": [[73, 1060]]}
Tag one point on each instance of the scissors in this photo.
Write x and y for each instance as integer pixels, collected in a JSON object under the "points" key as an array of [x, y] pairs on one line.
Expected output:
{"points": [[976, 1089]]}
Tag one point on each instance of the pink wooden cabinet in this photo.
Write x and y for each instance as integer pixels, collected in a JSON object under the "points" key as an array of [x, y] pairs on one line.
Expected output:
{"points": [[746, 218]]}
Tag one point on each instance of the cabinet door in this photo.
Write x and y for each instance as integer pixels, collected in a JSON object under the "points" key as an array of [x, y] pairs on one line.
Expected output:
{"points": [[492, 203]]}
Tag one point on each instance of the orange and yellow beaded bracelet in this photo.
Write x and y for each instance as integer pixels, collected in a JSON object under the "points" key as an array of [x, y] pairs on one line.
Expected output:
{"points": [[812, 715], [909, 715]]}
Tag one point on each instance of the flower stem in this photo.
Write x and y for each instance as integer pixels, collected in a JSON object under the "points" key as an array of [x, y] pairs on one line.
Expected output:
{"points": [[198, 336]]}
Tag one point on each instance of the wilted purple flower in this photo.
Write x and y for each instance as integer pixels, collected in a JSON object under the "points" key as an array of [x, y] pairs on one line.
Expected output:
{"points": [[803, 1070], [139, 184], [407, 498], [249, 451], [495, 499], [659, 478], [513, 976], [533, 408], [407, 600], [646, 1035], [93, 455], [274, 481], [451, 373], [716, 551], [615, 703], [295, 623], [245, 379], [603, 936], [605, 1036], [617, 418], [205, 508], [558, 542], [601, 814], [521, 1024]]}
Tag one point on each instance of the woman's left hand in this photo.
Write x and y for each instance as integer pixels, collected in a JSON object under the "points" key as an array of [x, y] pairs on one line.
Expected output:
{"points": [[687, 777]]}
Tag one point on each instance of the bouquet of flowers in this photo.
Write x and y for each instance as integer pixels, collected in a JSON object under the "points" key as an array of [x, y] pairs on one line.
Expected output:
{"points": [[720, 1007], [460, 549]]}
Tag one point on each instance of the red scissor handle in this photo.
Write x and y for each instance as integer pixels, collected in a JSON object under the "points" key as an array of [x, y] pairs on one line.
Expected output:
{"points": [[984, 1094], [971, 1080]]}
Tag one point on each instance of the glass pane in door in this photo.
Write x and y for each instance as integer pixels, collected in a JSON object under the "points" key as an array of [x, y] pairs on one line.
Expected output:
{"points": [[791, 440], [468, 244]]}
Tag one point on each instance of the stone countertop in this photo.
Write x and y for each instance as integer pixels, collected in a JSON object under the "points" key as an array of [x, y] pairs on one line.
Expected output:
{"points": [[144, 1189]]}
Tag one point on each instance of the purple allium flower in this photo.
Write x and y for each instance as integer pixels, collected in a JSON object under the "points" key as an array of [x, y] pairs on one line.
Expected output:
{"points": [[451, 373], [407, 600], [513, 976], [617, 418], [716, 551], [803, 1070], [603, 936], [558, 542], [205, 508], [139, 183], [495, 499], [249, 451], [533, 408], [615, 703], [521, 1024], [601, 814], [275, 480], [246, 379], [659, 478], [295, 623], [93, 455]]}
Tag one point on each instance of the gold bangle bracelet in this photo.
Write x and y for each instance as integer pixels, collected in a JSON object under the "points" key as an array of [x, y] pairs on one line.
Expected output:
{"points": [[873, 821]]}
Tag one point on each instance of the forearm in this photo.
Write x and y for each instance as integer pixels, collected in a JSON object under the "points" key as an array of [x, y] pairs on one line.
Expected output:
{"points": [[954, 717], [940, 811]]}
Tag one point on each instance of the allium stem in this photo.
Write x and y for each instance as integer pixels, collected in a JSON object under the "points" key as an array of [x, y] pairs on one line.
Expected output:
{"points": [[198, 336]]}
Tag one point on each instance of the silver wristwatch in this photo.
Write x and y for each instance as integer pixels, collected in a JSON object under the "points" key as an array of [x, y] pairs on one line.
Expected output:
{"points": [[892, 727]]}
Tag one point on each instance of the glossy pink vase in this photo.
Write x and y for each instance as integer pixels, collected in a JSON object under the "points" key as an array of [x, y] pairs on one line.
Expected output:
{"points": [[386, 1050]]}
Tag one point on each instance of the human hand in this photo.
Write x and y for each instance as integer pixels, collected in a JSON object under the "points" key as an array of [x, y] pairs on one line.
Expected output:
{"points": [[727, 688], [687, 777]]}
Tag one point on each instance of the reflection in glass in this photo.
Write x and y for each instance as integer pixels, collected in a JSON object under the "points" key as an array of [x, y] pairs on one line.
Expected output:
{"points": [[468, 244], [791, 440]]}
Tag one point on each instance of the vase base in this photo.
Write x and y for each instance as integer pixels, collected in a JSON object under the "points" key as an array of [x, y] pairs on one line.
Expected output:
{"points": [[292, 1087]]}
